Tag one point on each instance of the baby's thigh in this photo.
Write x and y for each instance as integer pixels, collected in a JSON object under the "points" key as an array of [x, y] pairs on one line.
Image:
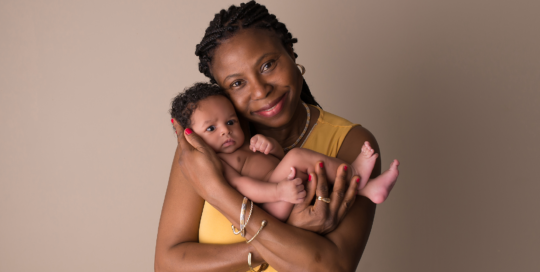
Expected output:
{"points": [[296, 158]]}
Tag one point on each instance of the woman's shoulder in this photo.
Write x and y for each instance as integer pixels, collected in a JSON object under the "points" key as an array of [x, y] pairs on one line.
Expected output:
{"points": [[344, 138], [328, 133], [333, 120]]}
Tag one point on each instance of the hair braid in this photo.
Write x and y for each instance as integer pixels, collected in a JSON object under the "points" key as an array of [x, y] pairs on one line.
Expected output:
{"points": [[227, 22]]}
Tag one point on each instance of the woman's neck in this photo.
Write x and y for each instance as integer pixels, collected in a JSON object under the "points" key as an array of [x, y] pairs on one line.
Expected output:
{"points": [[289, 133]]}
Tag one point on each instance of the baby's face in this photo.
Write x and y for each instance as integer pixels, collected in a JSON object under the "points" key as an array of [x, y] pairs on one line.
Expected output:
{"points": [[216, 122]]}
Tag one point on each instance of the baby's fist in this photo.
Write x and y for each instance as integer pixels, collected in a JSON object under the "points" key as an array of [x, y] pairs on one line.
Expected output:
{"points": [[261, 143]]}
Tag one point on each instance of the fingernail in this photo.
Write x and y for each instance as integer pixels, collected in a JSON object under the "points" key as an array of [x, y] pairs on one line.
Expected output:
{"points": [[357, 180], [309, 178], [345, 167], [188, 131], [176, 132], [321, 164], [172, 122]]}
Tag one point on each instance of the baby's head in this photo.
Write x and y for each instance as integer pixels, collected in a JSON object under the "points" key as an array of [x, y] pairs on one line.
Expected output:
{"points": [[206, 109]]}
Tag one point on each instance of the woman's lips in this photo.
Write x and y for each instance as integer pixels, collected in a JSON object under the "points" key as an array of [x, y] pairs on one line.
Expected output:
{"points": [[273, 108]]}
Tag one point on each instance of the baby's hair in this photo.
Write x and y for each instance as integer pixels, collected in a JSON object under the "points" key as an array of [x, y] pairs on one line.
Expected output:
{"points": [[185, 103]]}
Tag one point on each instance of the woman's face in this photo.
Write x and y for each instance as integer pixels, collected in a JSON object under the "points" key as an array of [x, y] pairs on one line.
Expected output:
{"points": [[260, 76]]}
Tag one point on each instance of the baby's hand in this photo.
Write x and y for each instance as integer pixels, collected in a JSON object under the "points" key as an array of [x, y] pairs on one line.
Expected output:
{"points": [[291, 191], [262, 144]]}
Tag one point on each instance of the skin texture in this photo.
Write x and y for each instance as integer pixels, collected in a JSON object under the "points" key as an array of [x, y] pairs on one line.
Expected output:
{"points": [[256, 69]]}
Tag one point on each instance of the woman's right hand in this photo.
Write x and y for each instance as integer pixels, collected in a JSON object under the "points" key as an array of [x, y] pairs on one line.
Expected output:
{"points": [[322, 217], [198, 162]]}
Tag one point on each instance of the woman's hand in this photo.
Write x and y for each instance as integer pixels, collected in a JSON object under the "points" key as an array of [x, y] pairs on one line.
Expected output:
{"points": [[198, 162], [324, 217]]}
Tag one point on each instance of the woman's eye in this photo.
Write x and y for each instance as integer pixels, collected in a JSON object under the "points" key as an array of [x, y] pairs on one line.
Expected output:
{"points": [[267, 66], [210, 128], [230, 122]]}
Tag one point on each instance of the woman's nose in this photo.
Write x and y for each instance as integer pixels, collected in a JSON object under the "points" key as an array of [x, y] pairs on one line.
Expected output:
{"points": [[260, 89]]}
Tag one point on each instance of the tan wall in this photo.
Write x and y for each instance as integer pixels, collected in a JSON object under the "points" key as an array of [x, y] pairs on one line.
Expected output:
{"points": [[451, 88]]}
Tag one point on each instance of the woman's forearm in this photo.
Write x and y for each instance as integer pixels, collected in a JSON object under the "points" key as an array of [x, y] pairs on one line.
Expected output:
{"points": [[287, 248], [193, 256]]}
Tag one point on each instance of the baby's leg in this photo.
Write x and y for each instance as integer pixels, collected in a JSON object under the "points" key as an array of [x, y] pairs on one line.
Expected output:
{"points": [[303, 160], [281, 209]]}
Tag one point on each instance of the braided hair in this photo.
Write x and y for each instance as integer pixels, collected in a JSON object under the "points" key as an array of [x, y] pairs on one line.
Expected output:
{"points": [[227, 22]]}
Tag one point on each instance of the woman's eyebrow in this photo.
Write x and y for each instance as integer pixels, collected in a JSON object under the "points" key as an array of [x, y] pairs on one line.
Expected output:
{"points": [[233, 75], [264, 56], [256, 63]]}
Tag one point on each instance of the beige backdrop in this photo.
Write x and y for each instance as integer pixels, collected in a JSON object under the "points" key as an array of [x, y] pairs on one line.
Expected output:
{"points": [[451, 88]]}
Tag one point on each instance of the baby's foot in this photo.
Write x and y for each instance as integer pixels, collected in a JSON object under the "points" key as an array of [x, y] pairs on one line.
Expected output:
{"points": [[379, 188], [363, 165]]}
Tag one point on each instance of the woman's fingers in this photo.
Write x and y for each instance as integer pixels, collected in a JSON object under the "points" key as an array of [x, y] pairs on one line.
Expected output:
{"points": [[350, 197], [186, 136], [194, 140], [340, 186], [322, 187], [180, 136], [311, 187]]}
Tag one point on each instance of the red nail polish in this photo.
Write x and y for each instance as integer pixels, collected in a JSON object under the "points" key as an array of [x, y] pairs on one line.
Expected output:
{"points": [[172, 122], [345, 167], [188, 131], [357, 180], [309, 178], [321, 164]]}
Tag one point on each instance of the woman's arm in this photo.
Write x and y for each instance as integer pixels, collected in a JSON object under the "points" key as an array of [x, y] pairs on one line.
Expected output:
{"points": [[282, 245]]}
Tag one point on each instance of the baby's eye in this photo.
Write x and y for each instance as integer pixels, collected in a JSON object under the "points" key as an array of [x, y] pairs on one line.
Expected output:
{"points": [[210, 128], [236, 83], [230, 122]]}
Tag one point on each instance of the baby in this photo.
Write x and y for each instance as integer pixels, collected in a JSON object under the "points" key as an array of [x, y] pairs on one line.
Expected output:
{"points": [[206, 109]]}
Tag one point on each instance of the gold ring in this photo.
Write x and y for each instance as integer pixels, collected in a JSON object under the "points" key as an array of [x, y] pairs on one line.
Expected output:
{"points": [[324, 199]]}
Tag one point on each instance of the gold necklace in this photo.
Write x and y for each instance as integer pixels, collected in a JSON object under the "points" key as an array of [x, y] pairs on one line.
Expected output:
{"points": [[303, 132]]}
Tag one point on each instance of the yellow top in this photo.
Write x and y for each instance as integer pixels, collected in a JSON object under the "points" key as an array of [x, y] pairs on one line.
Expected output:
{"points": [[326, 137]]}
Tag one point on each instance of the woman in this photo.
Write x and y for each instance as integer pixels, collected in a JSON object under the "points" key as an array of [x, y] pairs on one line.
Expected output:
{"points": [[250, 54]]}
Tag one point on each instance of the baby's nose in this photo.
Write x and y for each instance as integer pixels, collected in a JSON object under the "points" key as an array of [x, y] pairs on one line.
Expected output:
{"points": [[225, 131]]}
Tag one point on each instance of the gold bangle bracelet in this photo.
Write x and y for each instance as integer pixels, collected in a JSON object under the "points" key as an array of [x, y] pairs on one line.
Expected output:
{"points": [[243, 227], [263, 224], [263, 267], [247, 220], [242, 217]]}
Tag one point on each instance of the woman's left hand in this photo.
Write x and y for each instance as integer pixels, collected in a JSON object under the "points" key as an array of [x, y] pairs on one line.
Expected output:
{"points": [[324, 217]]}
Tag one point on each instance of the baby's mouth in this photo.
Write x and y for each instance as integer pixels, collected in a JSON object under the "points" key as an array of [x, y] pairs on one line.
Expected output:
{"points": [[229, 142]]}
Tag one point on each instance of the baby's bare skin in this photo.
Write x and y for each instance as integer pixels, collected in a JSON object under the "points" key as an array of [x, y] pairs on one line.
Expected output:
{"points": [[252, 164], [260, 170]]}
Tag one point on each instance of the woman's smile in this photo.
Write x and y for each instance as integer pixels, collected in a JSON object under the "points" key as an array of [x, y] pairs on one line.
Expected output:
{"points": [[273, 108]]}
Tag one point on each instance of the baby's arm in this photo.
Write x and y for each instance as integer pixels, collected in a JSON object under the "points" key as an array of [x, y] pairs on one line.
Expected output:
{"points": [[266, 145], [265, 192]]}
